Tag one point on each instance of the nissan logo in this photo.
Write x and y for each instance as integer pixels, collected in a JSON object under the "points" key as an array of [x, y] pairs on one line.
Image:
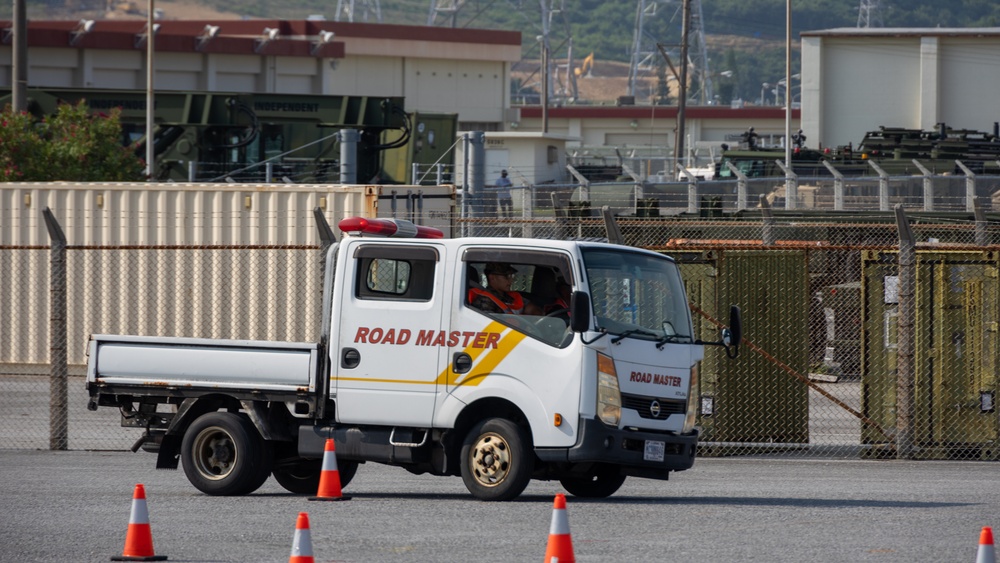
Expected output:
{"points": [[654, 409]]}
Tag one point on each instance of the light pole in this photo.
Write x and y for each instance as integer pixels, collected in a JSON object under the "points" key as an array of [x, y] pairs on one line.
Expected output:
{"points": [[543, 41], [19, 75], [763, 91], [682, 86], [791, 190], [150, 105]]}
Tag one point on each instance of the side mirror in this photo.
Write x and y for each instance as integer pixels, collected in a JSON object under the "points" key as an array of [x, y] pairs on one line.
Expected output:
{"points": [[579, 312]]}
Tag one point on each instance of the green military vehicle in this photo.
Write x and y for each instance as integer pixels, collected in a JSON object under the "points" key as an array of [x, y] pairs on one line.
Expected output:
{"points": [[893, 149], [211, 136]]}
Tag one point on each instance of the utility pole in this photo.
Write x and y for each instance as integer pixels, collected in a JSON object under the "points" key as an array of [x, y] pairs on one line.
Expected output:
{"points": [[545, 83], [19, 86], [682, 85], [150, 102], [791, 195]]}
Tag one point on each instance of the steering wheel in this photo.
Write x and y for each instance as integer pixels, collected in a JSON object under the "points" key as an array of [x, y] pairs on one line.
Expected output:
{"points": [[557, 312]]}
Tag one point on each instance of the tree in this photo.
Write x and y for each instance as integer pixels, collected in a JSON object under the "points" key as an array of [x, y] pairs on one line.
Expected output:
{"points": [[662, 97], [71, 145]]}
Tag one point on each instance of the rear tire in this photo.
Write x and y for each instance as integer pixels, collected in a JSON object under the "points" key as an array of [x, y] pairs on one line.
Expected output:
{"points": [[224, 455], [497, 460], [302, 477], [601, 481]]}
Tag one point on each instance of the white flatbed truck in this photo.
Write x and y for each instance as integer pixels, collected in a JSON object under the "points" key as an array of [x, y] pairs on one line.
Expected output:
{"points": [[407, 373]]}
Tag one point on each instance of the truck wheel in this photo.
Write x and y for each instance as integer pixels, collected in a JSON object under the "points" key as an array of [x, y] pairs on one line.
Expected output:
{"points": [[496, 460], [302, 477], [601, 481], [223, 454]]}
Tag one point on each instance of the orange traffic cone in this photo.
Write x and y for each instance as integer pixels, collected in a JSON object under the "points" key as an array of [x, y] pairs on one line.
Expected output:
{"points": [[302, 549], [986, 552], [560, 549], [139, 539], [329, 477]]}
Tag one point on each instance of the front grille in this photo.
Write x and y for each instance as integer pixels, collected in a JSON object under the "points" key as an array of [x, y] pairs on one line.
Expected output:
{"points": [[642, 405]]}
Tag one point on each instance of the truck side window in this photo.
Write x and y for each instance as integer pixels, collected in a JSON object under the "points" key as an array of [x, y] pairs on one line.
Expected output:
{"points": [[395, 273], [527, 297], [388, 276]]}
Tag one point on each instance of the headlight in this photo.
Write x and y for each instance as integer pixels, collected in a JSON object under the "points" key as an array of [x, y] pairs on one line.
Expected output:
{"points": [[609, 398], [692, 403]]}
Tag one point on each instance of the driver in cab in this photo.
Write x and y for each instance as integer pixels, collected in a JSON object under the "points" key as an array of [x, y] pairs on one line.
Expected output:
{"points": [[497, 296]]}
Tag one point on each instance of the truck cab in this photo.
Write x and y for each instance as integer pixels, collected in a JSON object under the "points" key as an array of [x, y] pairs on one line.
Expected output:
{"points": [[593, 400]]}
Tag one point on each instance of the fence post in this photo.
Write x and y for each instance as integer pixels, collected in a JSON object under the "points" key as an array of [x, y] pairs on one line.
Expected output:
{"points": [[883, 187], [58, 369], [741, 186], [527, 209], [838, 186], [692, 183], [477, 178], [906, 337], [970, 186], [767, 237], [348, 156], [928, 185], [982, 235], [791, 186]]}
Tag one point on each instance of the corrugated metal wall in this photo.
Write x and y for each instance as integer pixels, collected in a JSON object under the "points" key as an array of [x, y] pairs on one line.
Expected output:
{"points": [[207, 260], [202, 214]]}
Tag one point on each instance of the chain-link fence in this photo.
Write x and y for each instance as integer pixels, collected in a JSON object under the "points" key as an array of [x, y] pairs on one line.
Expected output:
{"points": [[822, 295]]}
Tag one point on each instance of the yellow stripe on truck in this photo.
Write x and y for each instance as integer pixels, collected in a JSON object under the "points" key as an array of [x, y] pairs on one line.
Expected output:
{"points": [[485, 359], [488, 364]]}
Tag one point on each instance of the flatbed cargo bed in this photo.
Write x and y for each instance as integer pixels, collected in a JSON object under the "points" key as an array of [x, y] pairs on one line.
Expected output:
{"points": [[151, 361]]}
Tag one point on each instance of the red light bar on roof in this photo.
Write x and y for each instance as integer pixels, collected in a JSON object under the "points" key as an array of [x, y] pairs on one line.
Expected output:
{"points": [[387, 228]]}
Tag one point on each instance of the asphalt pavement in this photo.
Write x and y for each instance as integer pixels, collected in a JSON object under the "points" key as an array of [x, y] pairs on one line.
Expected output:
{"points": [[75, 506]]}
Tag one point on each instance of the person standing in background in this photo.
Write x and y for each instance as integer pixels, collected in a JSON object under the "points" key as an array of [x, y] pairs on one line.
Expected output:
{"points": [[505, 200]]}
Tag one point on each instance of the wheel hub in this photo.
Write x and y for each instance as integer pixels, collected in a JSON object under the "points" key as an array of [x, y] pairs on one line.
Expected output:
{"points": [[491, 459], [217, 454]]}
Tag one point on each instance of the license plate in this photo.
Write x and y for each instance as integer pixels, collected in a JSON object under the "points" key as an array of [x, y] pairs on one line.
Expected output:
{"points": [[654, 451]]}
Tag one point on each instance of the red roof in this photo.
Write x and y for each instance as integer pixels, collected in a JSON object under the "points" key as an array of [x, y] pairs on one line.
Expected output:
{"points": [[295, 38]]}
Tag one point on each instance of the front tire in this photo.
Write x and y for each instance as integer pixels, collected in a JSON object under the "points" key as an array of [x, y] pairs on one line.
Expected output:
{"points": [[600, 481], [224, 455], [496, 460], [302, 477]]}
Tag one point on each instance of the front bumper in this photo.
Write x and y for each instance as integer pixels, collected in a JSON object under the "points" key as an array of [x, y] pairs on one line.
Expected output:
{"points": [[600, 444]]}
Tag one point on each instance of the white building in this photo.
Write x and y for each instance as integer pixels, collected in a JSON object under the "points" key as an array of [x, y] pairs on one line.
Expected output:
{"points": [[437, 70], [854, 80]]}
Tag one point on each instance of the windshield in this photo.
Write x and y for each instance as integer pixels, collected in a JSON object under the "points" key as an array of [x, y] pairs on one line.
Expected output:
{"points": [[638, 295]]}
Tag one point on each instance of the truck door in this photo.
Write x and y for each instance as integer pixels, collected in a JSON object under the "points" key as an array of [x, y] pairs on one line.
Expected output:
{"points": [[528, 356], [384, 369]]}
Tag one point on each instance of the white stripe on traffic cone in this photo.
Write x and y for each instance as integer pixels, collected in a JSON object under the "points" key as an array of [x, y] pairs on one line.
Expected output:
{"points": [[560, 547], [139, 538], [302, 551]]}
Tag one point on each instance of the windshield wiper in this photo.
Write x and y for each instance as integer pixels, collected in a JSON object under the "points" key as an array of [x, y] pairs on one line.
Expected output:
{"points": [[672, 338], [632, 331]]}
